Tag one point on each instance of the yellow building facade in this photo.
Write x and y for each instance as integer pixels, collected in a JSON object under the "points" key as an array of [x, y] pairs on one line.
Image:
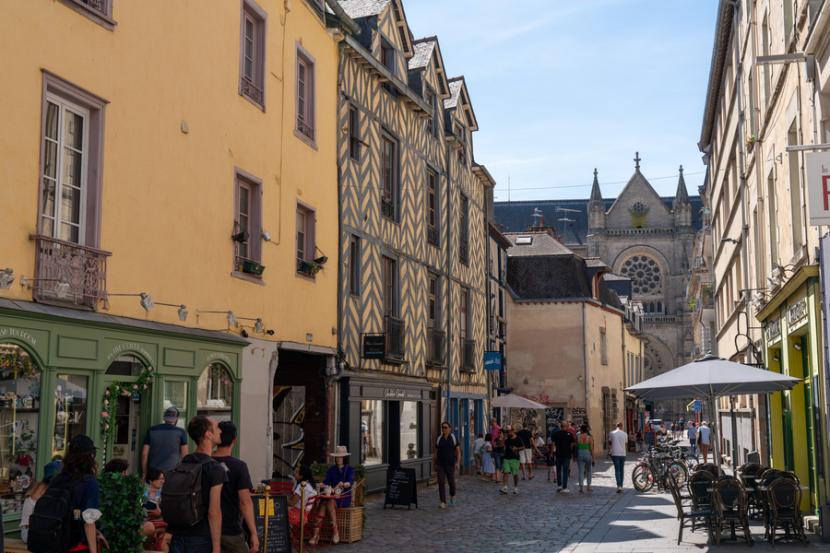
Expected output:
{"points": [[170, 183]]}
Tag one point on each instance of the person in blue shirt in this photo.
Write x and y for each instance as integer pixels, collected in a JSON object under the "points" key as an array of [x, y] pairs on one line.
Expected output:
{"points": [[340, 477], [164, 445]]}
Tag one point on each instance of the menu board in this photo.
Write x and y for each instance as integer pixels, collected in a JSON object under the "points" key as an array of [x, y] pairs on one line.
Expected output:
{"points": [[400, 488], [271, 518]]}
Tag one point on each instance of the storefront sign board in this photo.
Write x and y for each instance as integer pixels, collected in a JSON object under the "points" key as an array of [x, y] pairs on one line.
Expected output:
{"points": [[818, 187]]}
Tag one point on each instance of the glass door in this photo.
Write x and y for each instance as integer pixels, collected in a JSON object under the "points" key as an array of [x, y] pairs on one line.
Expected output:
{"points": [[70, 405]]}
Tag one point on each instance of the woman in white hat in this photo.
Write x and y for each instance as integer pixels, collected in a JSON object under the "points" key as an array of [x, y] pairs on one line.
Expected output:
{"points": [[340, 478]]}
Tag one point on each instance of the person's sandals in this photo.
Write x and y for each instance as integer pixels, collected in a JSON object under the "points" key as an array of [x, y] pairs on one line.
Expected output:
{"points": [[335, 539], [314, 540]]}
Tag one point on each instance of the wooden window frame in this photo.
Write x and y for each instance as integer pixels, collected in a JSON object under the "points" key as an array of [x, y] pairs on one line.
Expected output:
{"points": [[354, 133], [388, 55], [305, 112], [394, 175], [309, 239], [464, 229], [55, 87], [354, 265], [252, 87], [464, 314], [433, 192], [387, 262], [433, 300], [254, 185], [100, 16]]}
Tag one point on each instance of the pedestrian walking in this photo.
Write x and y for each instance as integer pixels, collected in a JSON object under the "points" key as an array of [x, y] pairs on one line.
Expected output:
{"points": [[446, 458], [164, 444], [510, 464], [495, 428], [584, 456], [498, 453], [618, 440], [704, 439], [563, 443], [550, 459], [649, 432], [488, 467], [477, 445], [77, 480], [692, 434], [526, 454], [237, 506], [196, 526]]}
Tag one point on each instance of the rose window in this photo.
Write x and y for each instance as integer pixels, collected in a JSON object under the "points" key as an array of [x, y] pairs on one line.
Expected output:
{"points": [[644, 274]]}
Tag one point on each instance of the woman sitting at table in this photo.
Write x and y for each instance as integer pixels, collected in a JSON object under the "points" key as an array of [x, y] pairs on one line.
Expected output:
{"points": [[340, 478], [302, 499]]}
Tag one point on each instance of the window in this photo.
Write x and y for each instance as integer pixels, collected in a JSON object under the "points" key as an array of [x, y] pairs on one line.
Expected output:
{"points": [[387, 55], [20, 383], [247, 224], [71, 391], [214, 393], [795, 190], [175, 395], [432, 208], [603, 347], [433, 300], [305, 95], [772, 217], [354, 266], [354, 133], [765, 45], [464, 230], [788, 22], [99, 11], [252, 53], [72, 139], [409, 430], [371, 431], [389, 177], [305, 241], [464, 309], [390, 287], [432, 100]]}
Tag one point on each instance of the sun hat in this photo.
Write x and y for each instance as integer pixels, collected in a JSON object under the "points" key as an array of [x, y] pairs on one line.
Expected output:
{"points": [[340, 451]]}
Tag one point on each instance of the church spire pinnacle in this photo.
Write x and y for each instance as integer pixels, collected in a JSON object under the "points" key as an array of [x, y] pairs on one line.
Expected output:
{"points": [[637, 160], [682, 195], [596, 194]]}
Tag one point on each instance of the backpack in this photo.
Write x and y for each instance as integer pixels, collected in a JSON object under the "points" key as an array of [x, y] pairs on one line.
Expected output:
{"points": [[51, 527], [182, 497]]}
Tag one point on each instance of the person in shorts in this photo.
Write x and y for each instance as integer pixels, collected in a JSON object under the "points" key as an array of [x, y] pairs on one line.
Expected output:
{"points": [[526, 454], [510, 464]]}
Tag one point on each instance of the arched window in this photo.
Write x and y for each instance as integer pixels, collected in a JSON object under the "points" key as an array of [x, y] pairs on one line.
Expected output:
{"points": [[126, 365], [646, 277], [214, 395], [20, 380]]}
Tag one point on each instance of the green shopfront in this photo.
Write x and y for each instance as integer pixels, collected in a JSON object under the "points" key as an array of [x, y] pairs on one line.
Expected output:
{"points": [[65, 372]]}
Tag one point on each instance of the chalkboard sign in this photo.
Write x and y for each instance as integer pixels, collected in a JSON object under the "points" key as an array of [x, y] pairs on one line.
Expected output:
{"points": [[271, 514], [374, 346], [400, 488]]}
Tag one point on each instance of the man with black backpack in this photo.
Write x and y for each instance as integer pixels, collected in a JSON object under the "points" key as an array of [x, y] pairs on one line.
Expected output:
{"points": [[191, 497]]}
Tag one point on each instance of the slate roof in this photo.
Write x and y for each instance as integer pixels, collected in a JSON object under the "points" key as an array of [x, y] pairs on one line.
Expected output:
{"points": [[423, 53], [542, 244], [455, 92], [516, 216], [357, 9]]}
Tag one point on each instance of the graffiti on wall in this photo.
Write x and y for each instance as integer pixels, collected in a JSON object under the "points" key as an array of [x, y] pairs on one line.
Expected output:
{"points": [[552, 417], [288, 405]]}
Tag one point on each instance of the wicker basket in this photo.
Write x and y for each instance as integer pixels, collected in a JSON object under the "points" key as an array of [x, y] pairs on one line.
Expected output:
{"points": [[349, 525]]}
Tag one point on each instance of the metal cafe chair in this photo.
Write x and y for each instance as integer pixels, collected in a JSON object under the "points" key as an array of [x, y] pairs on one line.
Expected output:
{"points": [[730, 508], [687, 513], [700, 486], [784, 496]]}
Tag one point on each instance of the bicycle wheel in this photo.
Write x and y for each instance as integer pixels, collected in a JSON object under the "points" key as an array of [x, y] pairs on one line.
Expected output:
{"points": [[642, 478], [680, 473]]}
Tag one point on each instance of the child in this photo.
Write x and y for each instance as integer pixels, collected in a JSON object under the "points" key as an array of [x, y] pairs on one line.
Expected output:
{"points": [[550, 461], [487, 465]]}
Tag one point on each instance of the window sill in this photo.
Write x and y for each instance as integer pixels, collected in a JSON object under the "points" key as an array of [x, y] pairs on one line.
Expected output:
{"points": [[261, 106], [249, 278], [103, 20], [305, 138], [306, 276], [391, 219]]}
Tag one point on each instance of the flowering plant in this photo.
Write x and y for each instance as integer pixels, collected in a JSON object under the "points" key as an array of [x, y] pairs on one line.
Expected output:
{"points": [[120, 389]]}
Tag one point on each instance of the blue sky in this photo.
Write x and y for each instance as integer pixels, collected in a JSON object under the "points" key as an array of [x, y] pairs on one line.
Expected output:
{"points": [[560, 87]]}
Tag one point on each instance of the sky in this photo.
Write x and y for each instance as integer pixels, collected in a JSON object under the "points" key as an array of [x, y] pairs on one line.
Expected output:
{"points": [[561, 87]]}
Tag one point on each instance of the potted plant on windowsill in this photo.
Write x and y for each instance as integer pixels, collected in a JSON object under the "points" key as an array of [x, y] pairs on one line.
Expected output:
{"points": [[250, 267], [308, 268]]}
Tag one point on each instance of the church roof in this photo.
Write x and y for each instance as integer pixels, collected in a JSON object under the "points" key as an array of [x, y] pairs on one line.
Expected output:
{"points": [[681, 195], [596, 194], [516, 216]]}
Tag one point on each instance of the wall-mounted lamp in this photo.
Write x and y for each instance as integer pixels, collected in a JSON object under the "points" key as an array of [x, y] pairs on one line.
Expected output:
{"points": [[322, 259], [6, 278], [181, 309], [232, 322], [146, 300], [266, 235]]}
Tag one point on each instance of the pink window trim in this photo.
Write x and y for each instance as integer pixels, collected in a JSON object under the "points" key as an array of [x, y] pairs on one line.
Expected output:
{"points": [[250, 10], [254, 217], [305, 122]]}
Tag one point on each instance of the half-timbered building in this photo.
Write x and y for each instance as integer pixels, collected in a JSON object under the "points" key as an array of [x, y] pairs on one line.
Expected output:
{"points": [[412, 326]]}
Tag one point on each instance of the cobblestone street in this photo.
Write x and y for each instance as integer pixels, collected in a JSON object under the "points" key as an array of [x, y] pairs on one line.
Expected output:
{"points": [[538, 520]]}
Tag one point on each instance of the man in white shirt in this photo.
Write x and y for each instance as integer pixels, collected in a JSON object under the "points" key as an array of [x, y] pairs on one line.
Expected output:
{"points": [[704, 435], [618, 440]]}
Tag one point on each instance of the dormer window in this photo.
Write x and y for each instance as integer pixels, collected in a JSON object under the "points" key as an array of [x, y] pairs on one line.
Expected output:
{"points": [[524, 240], [387, 55]]}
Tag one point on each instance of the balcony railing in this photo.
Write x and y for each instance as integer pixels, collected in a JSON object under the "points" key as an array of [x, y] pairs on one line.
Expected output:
{"points": [[252, 91], [69, 273], [436, 347], [100, 6], [394, 330], [468, 355]]}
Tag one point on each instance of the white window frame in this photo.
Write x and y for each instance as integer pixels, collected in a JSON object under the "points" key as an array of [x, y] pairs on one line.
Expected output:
{"points": [[66, 105]]}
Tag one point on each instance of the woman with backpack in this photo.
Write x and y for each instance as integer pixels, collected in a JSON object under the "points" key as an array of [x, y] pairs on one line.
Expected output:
{"points": [[64, 521]]}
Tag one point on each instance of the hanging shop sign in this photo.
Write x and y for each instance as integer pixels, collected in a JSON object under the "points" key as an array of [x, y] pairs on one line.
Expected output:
{"points": [[492, 361], [374, 346], [818, 187]]}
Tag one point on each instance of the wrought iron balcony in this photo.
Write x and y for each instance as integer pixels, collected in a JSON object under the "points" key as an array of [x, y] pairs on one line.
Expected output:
{"points": [[436, 347], [68, 273], [394, 329], [99, 6], [304, 128], [468, 355]]}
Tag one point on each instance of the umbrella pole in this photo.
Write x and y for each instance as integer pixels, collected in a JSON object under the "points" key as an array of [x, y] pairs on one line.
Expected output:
{"points": [[715, 435]]}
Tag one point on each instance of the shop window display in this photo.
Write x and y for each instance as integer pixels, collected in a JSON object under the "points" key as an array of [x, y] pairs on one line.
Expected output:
{"points": [[409, 430], [71, 393], [214, 395], [371, 431], [20, 380]]}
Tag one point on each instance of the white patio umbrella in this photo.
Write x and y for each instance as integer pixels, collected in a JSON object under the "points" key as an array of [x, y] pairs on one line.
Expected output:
{"points": [[709, 378], [516, 401]]}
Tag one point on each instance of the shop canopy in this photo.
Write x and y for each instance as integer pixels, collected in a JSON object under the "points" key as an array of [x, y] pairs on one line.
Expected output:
{"points": [[514, 401], [709, 378]]}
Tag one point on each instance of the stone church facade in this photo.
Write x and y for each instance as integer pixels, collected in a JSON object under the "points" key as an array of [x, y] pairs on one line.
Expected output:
{"points": [[642, 236]]}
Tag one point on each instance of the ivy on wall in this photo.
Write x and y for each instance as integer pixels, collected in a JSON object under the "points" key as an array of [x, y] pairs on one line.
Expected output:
{"points": [[122, 516], [111, 394]]}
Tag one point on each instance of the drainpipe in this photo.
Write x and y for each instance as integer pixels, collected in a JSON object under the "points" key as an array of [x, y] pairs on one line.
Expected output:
{"points": [[585, 363], [449, 277]]}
